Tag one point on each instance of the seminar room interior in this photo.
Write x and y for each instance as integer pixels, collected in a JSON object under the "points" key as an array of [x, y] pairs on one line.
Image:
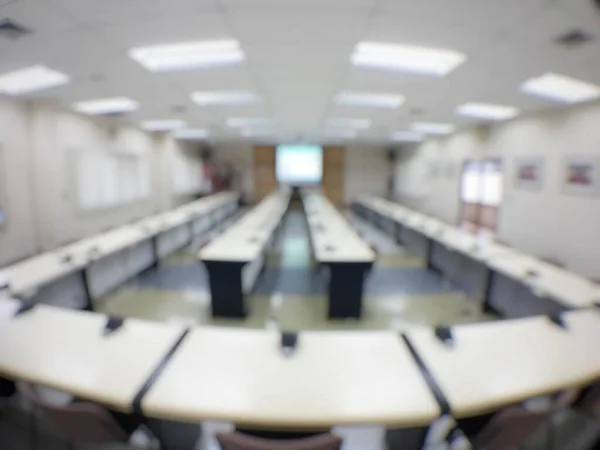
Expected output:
{"points": [[300, 224]]}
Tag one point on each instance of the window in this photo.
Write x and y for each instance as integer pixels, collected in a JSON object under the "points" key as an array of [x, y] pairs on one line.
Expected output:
{"points": [[106, 180], [481, 195], [186, 173]]}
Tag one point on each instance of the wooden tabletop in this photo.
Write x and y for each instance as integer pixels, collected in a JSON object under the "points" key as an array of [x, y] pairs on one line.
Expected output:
{"points": [[333, 238], [334, 378], [491, 365], [245, 240], [67, 350]]}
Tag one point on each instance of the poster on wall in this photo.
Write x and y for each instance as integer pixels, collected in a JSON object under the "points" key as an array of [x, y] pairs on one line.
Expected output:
{"points": [[581, 175], [529, 173]]}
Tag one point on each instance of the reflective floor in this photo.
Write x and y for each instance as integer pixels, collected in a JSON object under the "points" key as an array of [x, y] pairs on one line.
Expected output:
{"points": [[399, 292]]}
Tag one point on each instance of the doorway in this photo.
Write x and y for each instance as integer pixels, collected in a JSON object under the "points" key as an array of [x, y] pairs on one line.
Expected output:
{"points": [[481, 193]]}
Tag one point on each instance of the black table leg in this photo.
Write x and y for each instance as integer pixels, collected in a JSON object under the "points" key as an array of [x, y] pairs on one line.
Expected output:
{"points": [[346, 284], [227, 296]]}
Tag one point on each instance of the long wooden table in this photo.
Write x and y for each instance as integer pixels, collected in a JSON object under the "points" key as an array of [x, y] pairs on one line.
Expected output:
{"points": [[235, 259], [503, 279], [74, 274], [346, 257]]}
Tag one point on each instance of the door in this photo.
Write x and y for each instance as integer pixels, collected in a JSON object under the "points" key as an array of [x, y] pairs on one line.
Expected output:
{"points": [[264, 171], [333, 174], [481, 195]]}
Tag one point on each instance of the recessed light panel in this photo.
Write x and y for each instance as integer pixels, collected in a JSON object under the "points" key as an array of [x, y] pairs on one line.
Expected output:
{"points": [[487, 111], [561, 88], [163, 125], [188, 55], [31, 79], [116, 105], [432, 128], [367, 99], [210, 98], [407, 58]]}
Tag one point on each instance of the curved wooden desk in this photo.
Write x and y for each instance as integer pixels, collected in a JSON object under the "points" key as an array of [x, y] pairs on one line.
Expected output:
{"points": [[333, 378]]}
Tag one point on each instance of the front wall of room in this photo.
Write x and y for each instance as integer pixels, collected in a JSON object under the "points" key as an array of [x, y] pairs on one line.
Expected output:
{"points": [[366, 168], [36, 182], [547, 223]]}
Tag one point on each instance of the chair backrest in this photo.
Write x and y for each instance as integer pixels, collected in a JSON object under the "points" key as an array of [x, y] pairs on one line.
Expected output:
{"points": [[590, 403], [79, 422], [240, 441], [513, 426]]}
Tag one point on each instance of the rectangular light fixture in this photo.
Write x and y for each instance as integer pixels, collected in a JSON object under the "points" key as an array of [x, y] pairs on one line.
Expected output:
{"points": [[116, 105], [407, 136], [432, 128], [407, 58], [257, 132], [191, 134], [188, 55], [240, 122], [487, 111], [31, 79], [361, 124], [341, 133], [209, 98], [370, 99], [163, 125], [561, 88]]}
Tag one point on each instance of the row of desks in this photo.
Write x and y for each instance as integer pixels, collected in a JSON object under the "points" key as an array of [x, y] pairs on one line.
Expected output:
{"points": [[365, 377], [235, 259], [153, 238], [340, 252], [546, 287]]}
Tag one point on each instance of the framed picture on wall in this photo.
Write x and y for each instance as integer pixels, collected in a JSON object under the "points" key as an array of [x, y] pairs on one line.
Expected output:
{"points": [[581, 175], [529, 173]]}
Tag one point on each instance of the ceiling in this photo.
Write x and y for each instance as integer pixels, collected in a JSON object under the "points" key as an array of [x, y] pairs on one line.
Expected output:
{"points": [[298, 56]]}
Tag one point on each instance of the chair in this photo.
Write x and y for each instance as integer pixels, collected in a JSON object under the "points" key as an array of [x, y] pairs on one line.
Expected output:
{"points": [[241, 441], [80, 422], [513, 426], [589, 403], [7, 390]]}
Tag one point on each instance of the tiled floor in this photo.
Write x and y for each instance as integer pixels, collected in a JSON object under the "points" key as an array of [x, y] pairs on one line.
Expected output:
{"points": [[398, 293]]}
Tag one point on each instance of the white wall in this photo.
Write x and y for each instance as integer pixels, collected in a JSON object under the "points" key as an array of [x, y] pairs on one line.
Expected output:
{"points": [[241, 157], [547, 223], [17, 236], [41, 210], [367, 171]]}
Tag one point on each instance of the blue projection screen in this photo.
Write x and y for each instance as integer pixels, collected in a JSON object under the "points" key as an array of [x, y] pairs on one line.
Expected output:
{"points": [[299, 164]]}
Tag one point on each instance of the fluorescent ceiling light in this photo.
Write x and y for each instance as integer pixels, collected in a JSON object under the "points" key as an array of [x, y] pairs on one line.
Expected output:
{"points": [[188, 55], [432, 128], [350, 123], [239, 122], [257, 132], [560, 88], [31, 79], [370, 99], [341, 133], [208, 98], [191, 134], [407, 136], [407, 58], [163, 125], [487, 111], [107, 106]]}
